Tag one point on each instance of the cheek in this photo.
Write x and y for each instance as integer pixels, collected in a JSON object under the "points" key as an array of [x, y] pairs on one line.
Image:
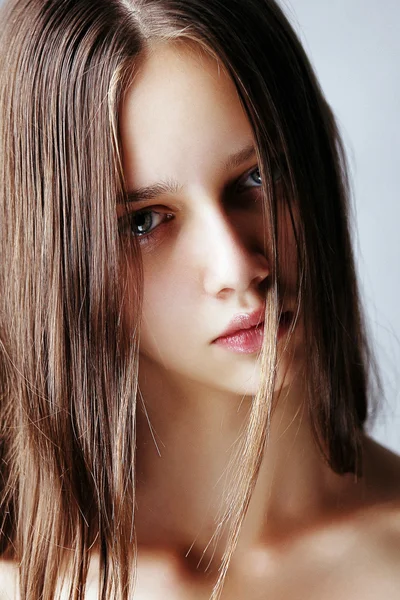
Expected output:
{"points": [[168, 300], [163, 283]]}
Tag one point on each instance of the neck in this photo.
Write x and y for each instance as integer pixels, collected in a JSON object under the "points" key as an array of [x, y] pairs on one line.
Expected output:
{"points": [[186, 434]]}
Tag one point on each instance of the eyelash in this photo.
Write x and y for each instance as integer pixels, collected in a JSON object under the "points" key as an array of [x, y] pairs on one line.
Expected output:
{"points": [[126, 222]]}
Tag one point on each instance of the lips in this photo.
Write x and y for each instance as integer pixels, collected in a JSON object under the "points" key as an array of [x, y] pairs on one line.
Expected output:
{"points": [[243, 321]]}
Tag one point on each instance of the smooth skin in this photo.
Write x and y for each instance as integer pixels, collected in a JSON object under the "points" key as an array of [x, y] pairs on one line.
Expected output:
{"points": [[309, 533]]}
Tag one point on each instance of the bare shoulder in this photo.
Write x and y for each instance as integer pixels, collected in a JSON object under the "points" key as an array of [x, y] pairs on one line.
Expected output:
{"points": [[373, 559], [378, 524], [357, 554], [8, 580]]}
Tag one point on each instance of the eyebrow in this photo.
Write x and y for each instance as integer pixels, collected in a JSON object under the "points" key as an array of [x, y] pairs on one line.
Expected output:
{"points": [[171, 186]]}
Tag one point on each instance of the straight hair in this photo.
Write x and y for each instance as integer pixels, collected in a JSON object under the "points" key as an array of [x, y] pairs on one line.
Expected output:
{"points": [[68, 363]]}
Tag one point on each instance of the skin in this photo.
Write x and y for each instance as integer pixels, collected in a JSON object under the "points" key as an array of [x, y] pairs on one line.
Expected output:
{"points": [[180, 120], [309, 533], [208, 262]]}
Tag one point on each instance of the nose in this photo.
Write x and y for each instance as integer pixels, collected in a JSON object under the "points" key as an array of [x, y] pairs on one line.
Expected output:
{"points": [[234, 260]]}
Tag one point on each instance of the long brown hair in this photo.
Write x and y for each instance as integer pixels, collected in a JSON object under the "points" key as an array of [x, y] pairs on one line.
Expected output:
{"points": [[68, 365]]}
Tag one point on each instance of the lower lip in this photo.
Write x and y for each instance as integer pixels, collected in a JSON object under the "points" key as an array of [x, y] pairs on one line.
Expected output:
{"points": [[248, 341]]}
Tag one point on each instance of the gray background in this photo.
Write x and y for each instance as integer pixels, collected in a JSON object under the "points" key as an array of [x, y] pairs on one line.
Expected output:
{"points": [[354, 46]]}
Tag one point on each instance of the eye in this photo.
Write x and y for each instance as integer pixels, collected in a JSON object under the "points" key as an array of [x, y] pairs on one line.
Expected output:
{"points": [[253, 179], [143, 223]]}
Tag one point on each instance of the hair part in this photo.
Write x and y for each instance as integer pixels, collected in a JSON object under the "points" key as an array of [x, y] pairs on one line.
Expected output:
{"points": [[68, 365]]}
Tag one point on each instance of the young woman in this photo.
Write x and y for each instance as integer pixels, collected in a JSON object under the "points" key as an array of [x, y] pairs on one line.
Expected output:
{"points": [[184, 368]]}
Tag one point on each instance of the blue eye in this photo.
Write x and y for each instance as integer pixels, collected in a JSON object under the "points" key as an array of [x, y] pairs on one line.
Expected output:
{"points": [[142, 223], [254, 178]]}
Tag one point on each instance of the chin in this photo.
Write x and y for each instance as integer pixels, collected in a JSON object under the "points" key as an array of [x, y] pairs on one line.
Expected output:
{"points": [[248, 386]]}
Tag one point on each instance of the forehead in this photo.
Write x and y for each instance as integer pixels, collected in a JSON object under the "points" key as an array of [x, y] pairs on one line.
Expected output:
{"points": [[181, 111]]}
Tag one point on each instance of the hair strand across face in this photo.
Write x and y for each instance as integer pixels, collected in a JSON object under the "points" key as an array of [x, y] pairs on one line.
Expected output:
{"points": [[68, 363]]}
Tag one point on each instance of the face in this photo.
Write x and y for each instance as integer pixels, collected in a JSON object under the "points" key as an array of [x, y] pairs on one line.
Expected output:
{"points": [[200, 230]]}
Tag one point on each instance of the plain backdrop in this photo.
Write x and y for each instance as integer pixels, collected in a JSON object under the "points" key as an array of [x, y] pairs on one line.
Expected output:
{"points": [[354, 46]]}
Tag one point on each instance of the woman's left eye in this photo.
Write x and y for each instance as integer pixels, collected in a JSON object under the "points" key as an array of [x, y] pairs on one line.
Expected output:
{"points": [[253, 179]]}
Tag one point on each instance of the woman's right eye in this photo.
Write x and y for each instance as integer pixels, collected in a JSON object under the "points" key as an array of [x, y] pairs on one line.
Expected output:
{"points": [[143, 223]]}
